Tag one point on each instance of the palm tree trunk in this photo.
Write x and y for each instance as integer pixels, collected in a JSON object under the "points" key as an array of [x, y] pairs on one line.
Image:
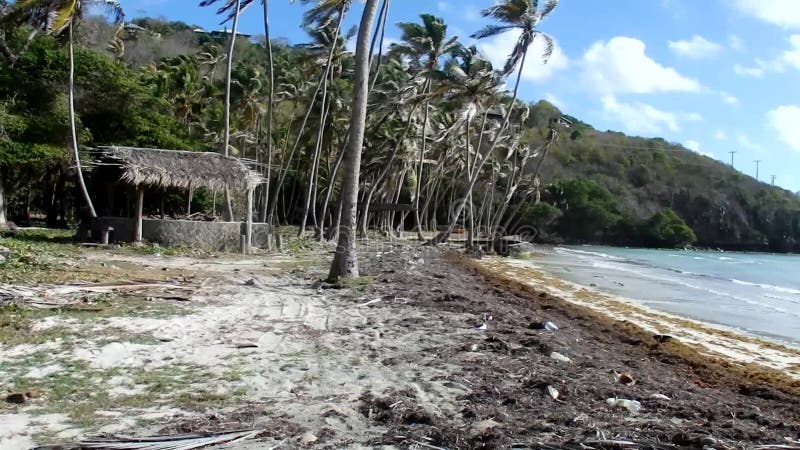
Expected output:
{"points": [[312, 171], [270, 108], [417, 222], [72, 124], [345, 261], [3, 220], [227, 130], [384, 13], [385, 171]]}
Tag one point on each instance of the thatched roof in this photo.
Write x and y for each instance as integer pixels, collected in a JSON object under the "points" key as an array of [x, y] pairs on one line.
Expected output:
{"points": [[178, 168]]}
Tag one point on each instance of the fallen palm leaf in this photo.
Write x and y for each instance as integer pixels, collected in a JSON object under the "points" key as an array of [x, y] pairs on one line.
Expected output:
{"points": [[181, 442]]}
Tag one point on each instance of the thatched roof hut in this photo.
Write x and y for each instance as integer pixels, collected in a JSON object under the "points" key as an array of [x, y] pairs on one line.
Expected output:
{"points": [[181, 169]]}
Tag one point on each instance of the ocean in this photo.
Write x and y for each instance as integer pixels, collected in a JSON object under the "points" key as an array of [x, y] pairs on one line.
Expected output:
{"points": [[756, 294]]}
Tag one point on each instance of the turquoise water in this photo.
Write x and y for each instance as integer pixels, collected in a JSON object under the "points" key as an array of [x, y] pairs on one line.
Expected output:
{"points": [[758, 294]]}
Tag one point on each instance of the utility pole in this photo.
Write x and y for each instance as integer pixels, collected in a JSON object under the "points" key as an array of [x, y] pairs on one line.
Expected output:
{"points": [[758, 161], [732, 153], [773, 179]]}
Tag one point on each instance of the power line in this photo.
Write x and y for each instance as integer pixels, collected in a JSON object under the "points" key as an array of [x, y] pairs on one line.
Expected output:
{"points": [[773, 179], [758, 161], [733, 152]]}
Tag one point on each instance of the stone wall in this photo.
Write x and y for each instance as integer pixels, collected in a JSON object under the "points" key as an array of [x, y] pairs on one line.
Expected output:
{"points": [[209, 236]]}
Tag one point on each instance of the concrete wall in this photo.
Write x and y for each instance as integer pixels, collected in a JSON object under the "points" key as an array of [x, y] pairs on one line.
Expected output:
{"points": [[209, 236]]}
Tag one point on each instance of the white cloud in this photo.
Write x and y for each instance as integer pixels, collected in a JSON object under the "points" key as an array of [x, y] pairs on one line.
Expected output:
{"points": [[784, 13], [550, 97], [735, 43], [498, 48], [442, 6], [757, 71], [696, 48], [729, 99], [785, 120], [621, 66], [720, 135], [695, 147], [639, 117], [792, 56], [692, 117], [692, 145]]}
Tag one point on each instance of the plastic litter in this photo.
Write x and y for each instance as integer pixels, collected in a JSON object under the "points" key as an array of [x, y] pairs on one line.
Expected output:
{"points": [[559, 357], [632, 406], [553, 392]]}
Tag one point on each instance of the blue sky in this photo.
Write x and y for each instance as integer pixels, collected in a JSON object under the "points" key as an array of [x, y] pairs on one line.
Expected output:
{"points": [[714, 75]]}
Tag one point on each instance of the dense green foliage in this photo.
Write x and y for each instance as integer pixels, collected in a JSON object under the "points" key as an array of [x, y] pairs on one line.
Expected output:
{"points": [[166, 91]]}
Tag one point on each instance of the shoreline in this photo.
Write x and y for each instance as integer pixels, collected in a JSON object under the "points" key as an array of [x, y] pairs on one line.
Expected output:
{"points": [[701, 343]]}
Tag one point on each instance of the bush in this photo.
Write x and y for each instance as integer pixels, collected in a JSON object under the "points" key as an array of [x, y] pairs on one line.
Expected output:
{"points": [[667, 229]]}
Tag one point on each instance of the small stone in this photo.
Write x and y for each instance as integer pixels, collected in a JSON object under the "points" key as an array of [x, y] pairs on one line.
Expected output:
{"points": [[559, 357], [308, 438], [32, 394], [17, 398], [626, 379]]}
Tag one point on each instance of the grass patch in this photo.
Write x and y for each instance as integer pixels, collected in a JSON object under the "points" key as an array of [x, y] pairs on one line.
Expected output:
{"points": [[32, 253]]}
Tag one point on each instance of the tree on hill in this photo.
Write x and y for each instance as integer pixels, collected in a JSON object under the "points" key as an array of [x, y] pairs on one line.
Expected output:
{"points": [[667, 229]]}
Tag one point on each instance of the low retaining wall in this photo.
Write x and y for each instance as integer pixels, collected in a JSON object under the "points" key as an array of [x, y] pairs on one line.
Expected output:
{"points": [[209, 236]]}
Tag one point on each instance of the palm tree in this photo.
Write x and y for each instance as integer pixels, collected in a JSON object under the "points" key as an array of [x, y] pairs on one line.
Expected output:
{"points": [[523, 16], [345, 260], [236, 6], [324, 13], [424, 44], [55, 17]]}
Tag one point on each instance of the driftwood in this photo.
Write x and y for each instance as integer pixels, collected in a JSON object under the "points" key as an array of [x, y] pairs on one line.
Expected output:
{"points": [[179, 442], [67, 296]]}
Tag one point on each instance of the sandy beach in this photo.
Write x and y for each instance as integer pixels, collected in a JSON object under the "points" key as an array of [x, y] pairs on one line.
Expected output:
{"points": [[428, 350]]}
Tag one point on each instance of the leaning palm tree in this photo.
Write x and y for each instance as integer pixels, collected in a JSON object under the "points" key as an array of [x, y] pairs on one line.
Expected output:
{"points": [[345, 260], [525, 17], [56, 17], [425, 44]]}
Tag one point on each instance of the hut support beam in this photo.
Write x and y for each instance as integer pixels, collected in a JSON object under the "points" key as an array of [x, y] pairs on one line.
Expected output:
{"points": [[249, 225], [137, 231]]}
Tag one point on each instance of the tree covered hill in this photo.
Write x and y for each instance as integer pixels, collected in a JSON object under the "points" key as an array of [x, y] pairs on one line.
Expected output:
{"points": [[165, 86], [723, 207]]}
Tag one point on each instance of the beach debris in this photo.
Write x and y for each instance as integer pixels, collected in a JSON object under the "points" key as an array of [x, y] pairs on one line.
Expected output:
{"points": [[182, 442], [59, 296], [486, 319], [559, 357], [661, 397], [662, 338], [626, 378], [308, 438], [19, 398], [547, 325], [553, 392], [632, 406], [371, 302], [483, 427]]}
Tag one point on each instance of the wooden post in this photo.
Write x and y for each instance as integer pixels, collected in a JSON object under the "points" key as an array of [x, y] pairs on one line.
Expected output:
{"points": [[189, 200], [249, 225], [137, 230]]}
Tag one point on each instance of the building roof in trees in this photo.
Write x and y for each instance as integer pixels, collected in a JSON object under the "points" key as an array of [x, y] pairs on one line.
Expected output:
{"points": [[178, 168]]}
